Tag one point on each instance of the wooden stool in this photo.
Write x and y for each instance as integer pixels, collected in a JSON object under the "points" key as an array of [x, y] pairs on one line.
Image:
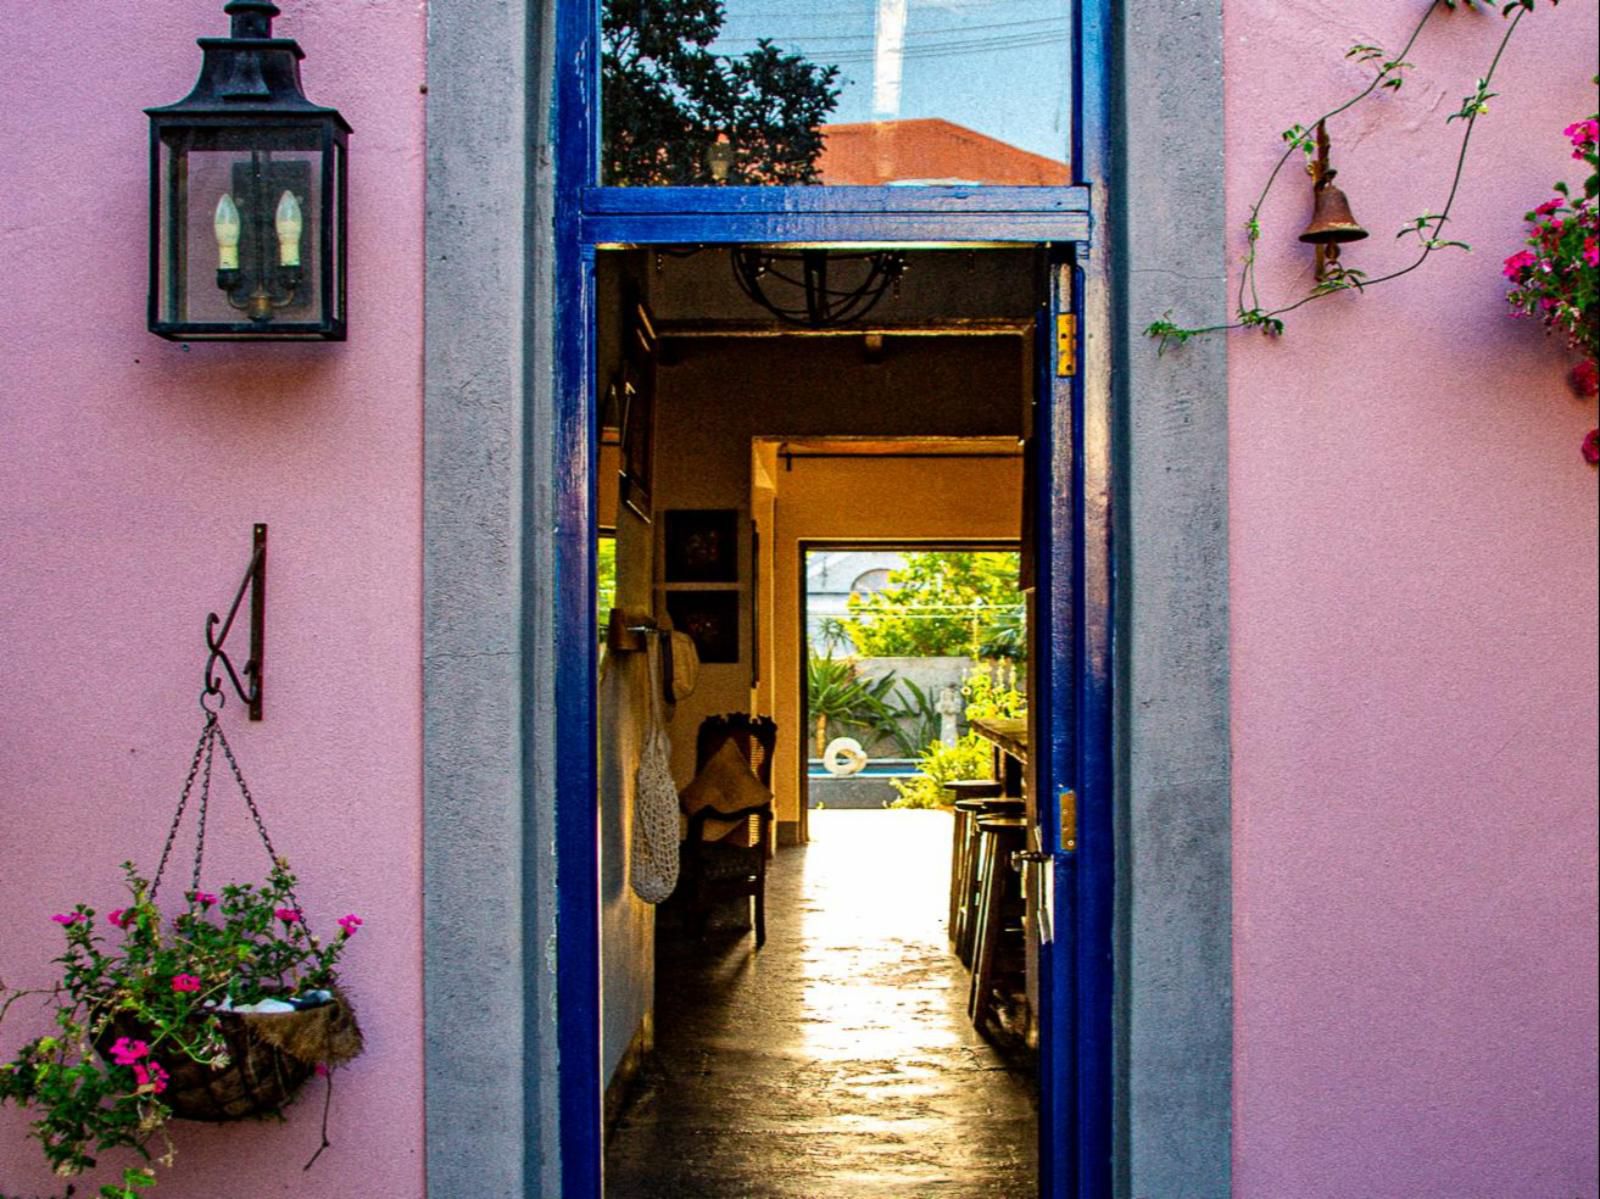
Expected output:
{"points": [[999, 887], [963, 789], [970, 883]]}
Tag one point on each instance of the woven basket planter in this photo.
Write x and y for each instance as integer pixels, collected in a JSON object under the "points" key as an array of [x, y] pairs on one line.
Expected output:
{"points": [[271, 1055]]}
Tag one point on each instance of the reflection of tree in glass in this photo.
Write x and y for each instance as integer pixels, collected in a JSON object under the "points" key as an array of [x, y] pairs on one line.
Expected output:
{"points": [[666, 99]]}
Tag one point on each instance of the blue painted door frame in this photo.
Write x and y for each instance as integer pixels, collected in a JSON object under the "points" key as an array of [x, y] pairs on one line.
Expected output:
{"points": [[1073, 599]]}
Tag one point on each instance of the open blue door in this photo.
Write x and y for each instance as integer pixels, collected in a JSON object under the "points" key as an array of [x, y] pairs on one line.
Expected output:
{"points": [[1072, 860]]}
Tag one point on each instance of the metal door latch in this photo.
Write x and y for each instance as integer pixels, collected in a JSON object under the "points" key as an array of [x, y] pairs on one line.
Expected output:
{"points": [[1069, 821]]}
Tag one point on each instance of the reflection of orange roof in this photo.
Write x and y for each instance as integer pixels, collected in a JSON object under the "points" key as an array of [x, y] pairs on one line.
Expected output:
{"points": [[930, 150]]}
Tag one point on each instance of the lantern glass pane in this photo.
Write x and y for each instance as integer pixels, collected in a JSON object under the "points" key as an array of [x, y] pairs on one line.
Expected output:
{"points": [[242, 224]]}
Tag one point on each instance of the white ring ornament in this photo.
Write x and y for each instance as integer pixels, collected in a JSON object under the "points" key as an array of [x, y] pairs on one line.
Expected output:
{"points": [[843, 757]]}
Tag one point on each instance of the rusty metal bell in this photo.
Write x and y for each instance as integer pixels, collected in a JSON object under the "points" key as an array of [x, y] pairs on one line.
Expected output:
{"points": [[1331, 219]]}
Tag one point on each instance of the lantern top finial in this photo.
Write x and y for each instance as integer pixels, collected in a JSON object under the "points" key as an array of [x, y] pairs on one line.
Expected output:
{"points": [[251, 18]]}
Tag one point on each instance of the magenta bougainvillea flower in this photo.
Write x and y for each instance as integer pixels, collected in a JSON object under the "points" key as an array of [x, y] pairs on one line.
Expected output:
{"points": [[1591, 448], [1519, 262], [350, 923], [126, 1052], [1583, 134], [204, 898], [185, 982], [1554, 277], [150, 1077], [121, 917], [69, 918], [288, 915]]}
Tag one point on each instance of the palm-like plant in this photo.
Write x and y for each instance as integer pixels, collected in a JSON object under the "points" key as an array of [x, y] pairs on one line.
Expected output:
{"points": [[836, 693]]}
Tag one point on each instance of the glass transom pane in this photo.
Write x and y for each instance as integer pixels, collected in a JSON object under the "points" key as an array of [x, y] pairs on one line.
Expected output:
{"points": [[836, 92]]}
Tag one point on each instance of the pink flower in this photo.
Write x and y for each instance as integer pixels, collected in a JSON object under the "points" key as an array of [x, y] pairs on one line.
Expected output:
{"points": [[1583, 133], [125, 1052], [69, 918], [1591, 251], [1548, 206], [150, 1078], [204, 898], [322, 1069], [1519, 262], [121, 917], [350, 923], [185, 982], [287, 915], [1591, 448], [1585, 378]]}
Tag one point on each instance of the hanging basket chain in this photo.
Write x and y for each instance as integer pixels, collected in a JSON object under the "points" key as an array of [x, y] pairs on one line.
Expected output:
{"points": [[261, 827], [205, 803], [210, 736], [183, 802]]}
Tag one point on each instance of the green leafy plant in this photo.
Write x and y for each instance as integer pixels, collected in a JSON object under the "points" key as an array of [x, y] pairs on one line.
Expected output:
{"points": [[941, 603], [971, 757], [667, 98], [836, 694], [125, 1016], [991, 692], [1250, 310]]}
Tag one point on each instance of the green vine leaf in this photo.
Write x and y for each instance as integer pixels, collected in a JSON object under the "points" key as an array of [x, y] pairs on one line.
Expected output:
{"points": [[1250, 311]]}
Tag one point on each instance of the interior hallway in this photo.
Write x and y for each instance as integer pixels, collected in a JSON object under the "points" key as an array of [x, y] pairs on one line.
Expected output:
{"points": [[840, 1060]]}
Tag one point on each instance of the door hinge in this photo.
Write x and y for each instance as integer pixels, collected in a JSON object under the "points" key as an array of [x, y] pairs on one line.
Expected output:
{"points": [[1066, 345], [1069, 821]]}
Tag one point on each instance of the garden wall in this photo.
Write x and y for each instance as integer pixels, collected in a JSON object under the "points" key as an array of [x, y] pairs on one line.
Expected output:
{"points": [[1413, 545], [132, 471]]}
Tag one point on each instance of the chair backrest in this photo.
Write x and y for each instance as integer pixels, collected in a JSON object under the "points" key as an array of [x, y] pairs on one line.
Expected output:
{"points": [[754, 735]]}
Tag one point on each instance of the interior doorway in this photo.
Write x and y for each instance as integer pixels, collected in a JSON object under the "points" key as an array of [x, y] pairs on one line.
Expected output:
{"points": [[728, 443]]}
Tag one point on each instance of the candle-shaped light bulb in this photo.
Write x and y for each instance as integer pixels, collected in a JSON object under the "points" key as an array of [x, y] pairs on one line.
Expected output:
{"points": [[226, 224], [289, 223]]}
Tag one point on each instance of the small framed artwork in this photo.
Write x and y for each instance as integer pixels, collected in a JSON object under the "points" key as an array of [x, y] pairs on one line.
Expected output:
{"points": [[611, 414], [711, 618], [636, 404], [702, 545], [637, 433]]}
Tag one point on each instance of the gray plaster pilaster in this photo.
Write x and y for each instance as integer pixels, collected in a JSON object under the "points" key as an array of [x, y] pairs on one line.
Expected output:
{"points": [[490, 1107], [1174, 986]]}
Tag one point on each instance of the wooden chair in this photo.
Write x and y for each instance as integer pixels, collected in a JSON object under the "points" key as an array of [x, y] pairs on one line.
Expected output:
{"points": [[731, 865]]}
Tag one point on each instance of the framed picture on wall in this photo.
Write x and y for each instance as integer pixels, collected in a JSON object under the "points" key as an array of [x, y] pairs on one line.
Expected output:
{"points": [[702, 545], [637, 393], [611, 413], [711, 618], [636, 456]]}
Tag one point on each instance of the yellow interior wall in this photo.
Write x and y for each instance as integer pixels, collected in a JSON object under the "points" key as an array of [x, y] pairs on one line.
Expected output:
{"points": [[865, 499], [717, 399]]}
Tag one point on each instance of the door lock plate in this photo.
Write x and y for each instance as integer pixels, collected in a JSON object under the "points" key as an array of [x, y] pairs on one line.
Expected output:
{"points": [[1069, 821], [1066, 345]]}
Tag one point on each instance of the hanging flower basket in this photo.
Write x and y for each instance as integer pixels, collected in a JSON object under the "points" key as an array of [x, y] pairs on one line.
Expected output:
{"points": [[269, 1057], [218, 1012]]}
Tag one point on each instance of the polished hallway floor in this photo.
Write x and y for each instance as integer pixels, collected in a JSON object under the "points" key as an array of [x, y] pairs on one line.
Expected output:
{"points": [[838, 1061]]}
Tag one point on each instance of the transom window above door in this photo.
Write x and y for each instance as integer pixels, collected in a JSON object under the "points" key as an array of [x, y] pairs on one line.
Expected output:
{"points": [[836, 92]]}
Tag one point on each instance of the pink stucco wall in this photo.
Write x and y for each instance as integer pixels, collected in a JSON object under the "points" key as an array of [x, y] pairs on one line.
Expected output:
{"points": [[1414, 621], [131, 470]]}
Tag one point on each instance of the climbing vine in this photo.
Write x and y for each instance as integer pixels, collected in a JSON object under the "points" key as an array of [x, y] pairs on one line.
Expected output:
{"points": [[1427, 230]]}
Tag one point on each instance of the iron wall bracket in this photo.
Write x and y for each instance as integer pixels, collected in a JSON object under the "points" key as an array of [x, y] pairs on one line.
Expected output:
{"points": [[248, 687]]}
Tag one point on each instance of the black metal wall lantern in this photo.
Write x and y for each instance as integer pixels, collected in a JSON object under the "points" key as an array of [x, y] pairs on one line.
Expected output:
{"points": [[247, 197]]}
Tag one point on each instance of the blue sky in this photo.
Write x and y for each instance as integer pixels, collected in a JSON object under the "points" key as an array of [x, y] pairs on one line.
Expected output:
{"points": [[998, 66]]}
